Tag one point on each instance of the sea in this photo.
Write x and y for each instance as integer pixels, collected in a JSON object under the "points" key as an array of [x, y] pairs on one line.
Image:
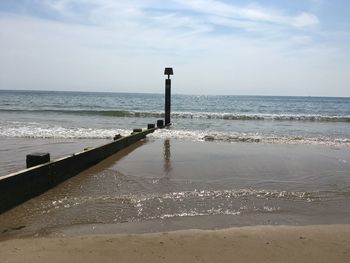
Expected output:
{"points": [[242, 160], [97, 115]]}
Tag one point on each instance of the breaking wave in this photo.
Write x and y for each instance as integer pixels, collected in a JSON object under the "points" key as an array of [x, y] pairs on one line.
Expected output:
{"points": [[248, 137], [58, 132], [193, 115], [36, 130]]}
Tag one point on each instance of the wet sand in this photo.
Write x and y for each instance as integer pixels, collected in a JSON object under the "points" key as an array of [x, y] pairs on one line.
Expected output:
{"points": [[165, 185], [329, 243]]}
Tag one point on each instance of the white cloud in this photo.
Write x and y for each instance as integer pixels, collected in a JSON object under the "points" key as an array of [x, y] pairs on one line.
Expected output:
{"points": [[304, 19], [253, 13], [123, 46], [109, 12]]}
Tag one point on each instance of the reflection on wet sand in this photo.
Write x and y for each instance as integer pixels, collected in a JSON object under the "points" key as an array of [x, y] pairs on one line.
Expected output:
{"points": [[167, 158]]}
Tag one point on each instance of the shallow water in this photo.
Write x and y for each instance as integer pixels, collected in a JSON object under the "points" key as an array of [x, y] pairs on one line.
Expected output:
{"points": [[217, 184], [13, 151]]}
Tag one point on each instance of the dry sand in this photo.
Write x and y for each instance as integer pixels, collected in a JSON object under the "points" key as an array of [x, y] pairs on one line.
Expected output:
{"points": [[326, 243]]}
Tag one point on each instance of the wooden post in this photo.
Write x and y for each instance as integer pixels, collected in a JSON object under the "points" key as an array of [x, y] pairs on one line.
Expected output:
{"points": [[160, 123], [151, 126], [35, 159], [167, 101], [168, 71]]}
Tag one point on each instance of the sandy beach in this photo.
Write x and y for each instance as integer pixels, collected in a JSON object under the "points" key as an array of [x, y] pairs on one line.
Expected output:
{"points": [[327, 243], [249, 202]]}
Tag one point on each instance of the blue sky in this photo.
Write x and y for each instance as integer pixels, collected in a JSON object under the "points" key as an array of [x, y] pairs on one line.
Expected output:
{"points": [[299, 47]]}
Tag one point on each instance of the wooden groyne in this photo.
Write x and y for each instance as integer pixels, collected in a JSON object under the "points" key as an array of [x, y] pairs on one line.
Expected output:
{"points": [[41, 174], [18, 187]]}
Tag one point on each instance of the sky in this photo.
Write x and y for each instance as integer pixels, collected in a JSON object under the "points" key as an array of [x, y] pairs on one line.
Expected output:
{"points": [[243, 47]]}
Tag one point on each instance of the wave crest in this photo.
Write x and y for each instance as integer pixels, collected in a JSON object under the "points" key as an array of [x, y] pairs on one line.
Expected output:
{"points": [[195, 115], [235, 137], [36, 130]]}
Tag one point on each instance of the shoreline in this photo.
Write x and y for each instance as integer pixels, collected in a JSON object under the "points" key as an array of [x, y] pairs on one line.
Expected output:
{"points": [[314, 243]]}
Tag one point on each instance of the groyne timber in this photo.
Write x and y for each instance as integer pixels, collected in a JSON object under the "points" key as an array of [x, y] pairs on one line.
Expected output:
{"points": [[18, 187]]}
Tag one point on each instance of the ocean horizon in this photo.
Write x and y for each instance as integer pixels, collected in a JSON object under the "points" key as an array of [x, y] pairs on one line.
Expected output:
{"points": [[173, 93]]}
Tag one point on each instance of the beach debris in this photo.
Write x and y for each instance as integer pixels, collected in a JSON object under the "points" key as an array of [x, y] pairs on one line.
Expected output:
{"points": [[88, 148], [117, 136], [13, 228], [17, 227], [209, 138]]}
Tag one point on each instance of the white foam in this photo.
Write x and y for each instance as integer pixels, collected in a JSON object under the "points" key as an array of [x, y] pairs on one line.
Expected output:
{"points": [[37, 130], [247, 137], [259, 116], [58, 132]]}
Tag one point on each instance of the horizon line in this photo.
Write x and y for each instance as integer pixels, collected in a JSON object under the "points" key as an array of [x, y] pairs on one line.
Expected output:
{"points": [[189, 94]]}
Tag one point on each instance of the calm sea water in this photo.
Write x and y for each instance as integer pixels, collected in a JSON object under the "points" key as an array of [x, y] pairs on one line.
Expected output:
{"points": [[291, 164], [38, 114]]}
